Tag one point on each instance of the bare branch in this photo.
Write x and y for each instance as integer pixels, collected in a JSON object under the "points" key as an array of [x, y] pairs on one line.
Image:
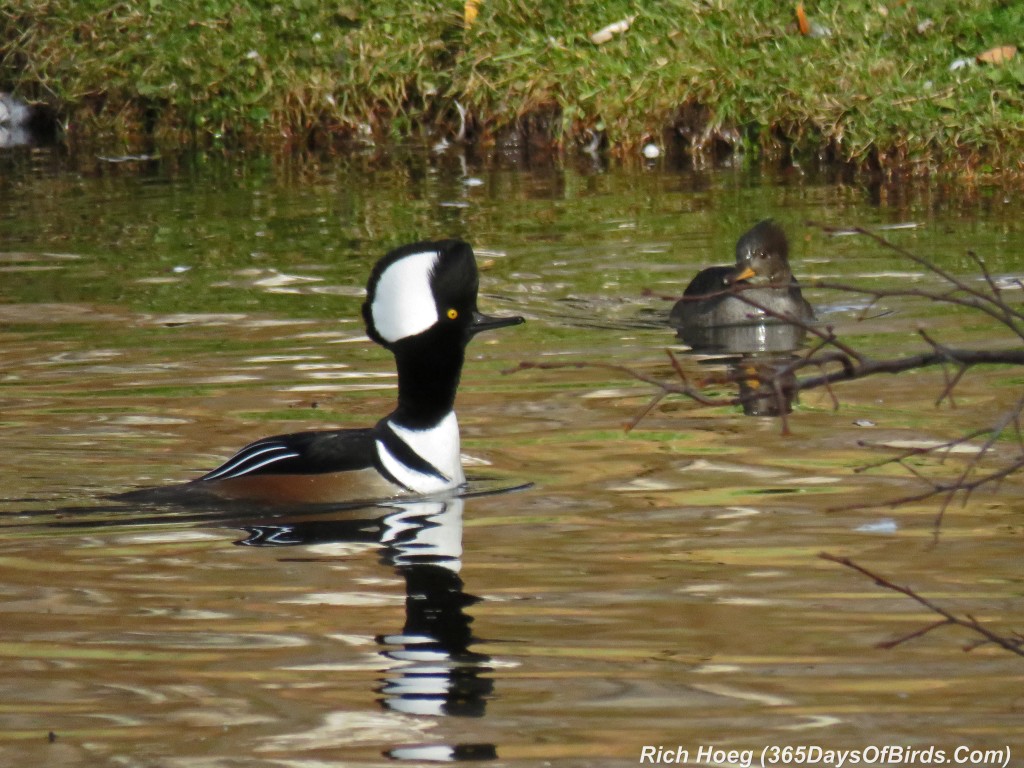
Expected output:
{"points": [[990, 303], [887, 644], [983, 267], [829, 360], [969, 479], [658, 397], [1014, 644], [668, 387], [965, 357]]}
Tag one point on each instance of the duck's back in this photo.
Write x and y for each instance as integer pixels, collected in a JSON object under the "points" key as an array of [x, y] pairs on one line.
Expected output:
{"points": [[722, 306], [707, 283]]}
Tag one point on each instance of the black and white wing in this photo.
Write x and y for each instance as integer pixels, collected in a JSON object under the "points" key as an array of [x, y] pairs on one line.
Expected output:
{"points": [[302, 453]]}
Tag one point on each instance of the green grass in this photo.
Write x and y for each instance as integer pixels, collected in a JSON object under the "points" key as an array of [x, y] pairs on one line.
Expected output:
{"points": [[878, 91]]}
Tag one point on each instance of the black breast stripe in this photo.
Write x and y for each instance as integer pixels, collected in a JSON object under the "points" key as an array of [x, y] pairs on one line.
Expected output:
{"points": [[401, 450]]}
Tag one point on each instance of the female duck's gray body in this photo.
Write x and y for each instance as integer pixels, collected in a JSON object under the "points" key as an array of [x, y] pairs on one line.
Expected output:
{"points": [[761, 276], [421, 305]]}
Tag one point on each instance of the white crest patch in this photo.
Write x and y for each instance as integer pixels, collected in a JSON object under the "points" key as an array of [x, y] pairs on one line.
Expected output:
{"points": [[403, 304], [438, 445]]}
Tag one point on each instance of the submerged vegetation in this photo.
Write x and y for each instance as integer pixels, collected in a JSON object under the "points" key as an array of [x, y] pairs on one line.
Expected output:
{"points": [[881, 84]]}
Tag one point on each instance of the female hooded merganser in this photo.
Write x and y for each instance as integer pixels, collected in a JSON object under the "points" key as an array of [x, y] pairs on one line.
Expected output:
{"points": [[421, 304], [761, 274]]}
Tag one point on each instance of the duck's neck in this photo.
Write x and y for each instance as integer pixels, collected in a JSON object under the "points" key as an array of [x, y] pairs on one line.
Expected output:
{"points": [[428, 378], [427, 457]]}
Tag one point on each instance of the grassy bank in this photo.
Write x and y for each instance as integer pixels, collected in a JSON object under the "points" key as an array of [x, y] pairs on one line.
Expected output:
{"points": [[871, 84]]}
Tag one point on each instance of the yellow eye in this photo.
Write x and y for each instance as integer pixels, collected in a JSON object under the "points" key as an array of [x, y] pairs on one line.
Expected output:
{"points": [[453, 313]]}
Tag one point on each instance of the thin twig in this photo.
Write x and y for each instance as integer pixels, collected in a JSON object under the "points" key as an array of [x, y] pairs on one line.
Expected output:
{"points": [[658, 397], [887, 644], [832, 361], [1012, 644], [667, 387], [984, 298], [963, 484]]}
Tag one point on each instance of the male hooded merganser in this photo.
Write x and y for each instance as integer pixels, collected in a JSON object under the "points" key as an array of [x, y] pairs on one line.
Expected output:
{"points": [[761, 274], [421, 304]]}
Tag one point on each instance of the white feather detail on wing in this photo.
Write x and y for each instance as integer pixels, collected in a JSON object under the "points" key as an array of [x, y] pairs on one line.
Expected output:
{"points": [[251, 459]]}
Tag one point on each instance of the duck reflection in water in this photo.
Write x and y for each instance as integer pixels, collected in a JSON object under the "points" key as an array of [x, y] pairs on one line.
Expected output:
{"points": [[751, 316], [430, 667], [24, 124]]}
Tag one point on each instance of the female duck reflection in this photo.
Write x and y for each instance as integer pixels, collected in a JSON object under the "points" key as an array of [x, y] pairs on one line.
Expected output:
{"points": [[431, 669]]}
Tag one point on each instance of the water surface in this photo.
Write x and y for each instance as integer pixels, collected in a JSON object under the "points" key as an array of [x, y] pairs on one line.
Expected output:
{"points": [[656, 587]]}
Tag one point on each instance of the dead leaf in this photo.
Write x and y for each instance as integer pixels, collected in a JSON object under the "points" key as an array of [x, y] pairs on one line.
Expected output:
{"points": [[801, 20], [471, 11], [808, 27], [605, 34], [998, 55]]}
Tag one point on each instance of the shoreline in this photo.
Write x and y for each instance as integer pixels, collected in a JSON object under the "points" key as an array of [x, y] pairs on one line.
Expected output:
{"points": [[880, 88]]}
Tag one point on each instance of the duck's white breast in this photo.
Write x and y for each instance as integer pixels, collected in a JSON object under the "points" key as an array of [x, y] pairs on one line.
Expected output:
{"points": [[439, 446]]}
